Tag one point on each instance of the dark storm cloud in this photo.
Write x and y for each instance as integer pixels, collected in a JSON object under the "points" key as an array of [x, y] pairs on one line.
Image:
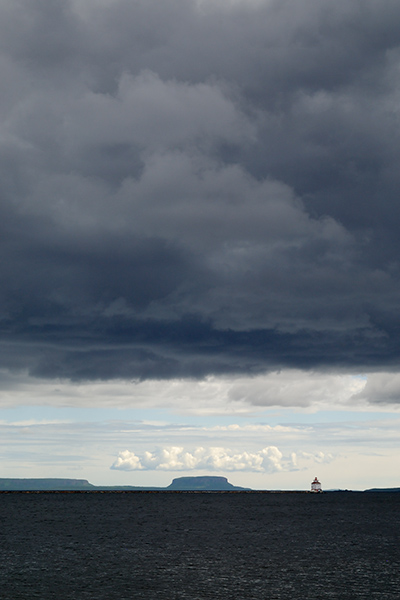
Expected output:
{"points": [[187, 190]]}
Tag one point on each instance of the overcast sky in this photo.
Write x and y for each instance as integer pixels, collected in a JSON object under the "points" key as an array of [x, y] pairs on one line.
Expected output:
{"points": [[199, 237]]}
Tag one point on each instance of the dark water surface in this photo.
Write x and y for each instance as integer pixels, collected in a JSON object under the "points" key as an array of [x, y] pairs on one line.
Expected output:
{"points": [[199, 546]]}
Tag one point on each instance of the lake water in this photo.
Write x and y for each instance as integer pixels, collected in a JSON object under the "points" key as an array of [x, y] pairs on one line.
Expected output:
{"points": [[197, 546]]}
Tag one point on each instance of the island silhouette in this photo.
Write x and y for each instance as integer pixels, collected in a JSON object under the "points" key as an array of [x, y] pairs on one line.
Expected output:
{"points": [[204, 483]]}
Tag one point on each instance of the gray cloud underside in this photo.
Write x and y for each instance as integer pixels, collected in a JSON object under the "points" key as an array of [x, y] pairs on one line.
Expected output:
{"points": [[192, 190]]}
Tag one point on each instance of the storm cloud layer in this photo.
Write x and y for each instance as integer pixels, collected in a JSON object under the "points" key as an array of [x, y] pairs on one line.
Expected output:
{"points": [[189, 189]]}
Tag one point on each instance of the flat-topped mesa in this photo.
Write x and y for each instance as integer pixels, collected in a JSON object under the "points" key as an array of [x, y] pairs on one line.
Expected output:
{"points": [[45, 484], [205, 483]]}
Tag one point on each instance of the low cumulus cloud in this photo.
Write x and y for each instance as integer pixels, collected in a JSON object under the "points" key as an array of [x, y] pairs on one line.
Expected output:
{"points": [[269, 459], [191, 189]]}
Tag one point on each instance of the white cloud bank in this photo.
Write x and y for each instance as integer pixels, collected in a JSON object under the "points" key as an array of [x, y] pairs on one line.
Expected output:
{"points": [[268, 460]]}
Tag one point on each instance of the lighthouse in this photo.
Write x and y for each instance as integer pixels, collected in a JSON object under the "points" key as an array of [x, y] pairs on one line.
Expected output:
{"points": [[316, 486]]}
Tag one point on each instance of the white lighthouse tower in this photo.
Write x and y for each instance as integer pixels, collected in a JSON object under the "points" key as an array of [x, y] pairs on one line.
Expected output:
{"points": [[316, 486]]}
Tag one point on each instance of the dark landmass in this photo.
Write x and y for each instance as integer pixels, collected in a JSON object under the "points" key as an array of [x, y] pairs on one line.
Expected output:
{"points": [[179, 484], [45, 484], [206, 483], [383, 490], [50, 485], [188, 484], [67, 485]]}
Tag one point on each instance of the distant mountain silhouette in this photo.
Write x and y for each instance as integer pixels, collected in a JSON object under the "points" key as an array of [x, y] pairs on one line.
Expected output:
{"points": [[383, 490], [205, 483], [180, 484], [45, 484]]}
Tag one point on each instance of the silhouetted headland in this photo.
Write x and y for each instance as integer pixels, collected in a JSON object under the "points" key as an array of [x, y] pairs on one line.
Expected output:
{"points": [[205, 483]]}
